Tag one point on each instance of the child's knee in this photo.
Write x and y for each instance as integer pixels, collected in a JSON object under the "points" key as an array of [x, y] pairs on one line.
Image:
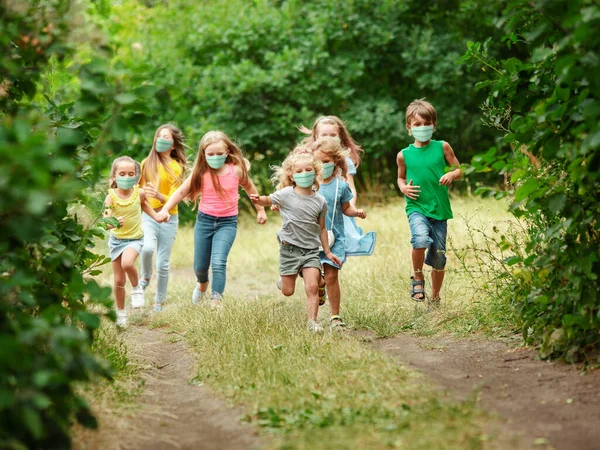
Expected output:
{"points": [[421, 241], [288, 291], [148, 250], [119, 281], [331, 276], [436, 258], [127, 264]]}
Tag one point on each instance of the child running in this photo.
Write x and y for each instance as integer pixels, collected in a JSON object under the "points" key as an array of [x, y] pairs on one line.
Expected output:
{"points": [[303, 229], [422, 178], [219, 170], [338, 195], [125, 201], [162, 173]]}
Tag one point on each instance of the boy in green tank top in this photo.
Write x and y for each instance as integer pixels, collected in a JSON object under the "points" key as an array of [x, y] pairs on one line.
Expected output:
{"points": [[424, 181]]}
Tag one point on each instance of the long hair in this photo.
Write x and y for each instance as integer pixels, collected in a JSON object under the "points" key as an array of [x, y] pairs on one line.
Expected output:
{"points": [[332, 148], [356, 151], [283, 175], [234, 156], [113, 169], [154, 158]]}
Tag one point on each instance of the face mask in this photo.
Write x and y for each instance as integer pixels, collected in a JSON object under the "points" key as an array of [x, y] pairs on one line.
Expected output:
{"points": [[328, 170], [217, 161], [337, 139], [304, 179], [163, 145], [422, 134], [125, 183]]}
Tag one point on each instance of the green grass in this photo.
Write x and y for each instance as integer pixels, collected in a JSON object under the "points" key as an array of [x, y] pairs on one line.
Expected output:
{"points": [[332, 390]]}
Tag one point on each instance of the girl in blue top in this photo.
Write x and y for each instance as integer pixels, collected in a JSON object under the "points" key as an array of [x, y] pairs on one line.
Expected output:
{"points": [[338, 195]]}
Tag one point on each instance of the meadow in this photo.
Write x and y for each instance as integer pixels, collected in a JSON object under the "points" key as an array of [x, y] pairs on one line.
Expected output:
{"points": [[333, 390]]}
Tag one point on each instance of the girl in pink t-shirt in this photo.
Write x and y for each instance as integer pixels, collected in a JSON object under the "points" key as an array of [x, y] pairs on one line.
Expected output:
{"points": [[219, 170]]}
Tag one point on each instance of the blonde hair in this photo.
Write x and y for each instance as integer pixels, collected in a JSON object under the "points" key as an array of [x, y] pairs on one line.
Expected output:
{"points": [[421, 108], [154, 158], [333, 148], [234, 156], [356, 151], [113, 169], [283, 175]]}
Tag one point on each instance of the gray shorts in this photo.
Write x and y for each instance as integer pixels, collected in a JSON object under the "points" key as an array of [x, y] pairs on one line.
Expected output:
{"points": [[292, 259]]}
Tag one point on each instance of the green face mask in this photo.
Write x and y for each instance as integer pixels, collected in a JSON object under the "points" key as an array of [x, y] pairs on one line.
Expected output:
{"points": [[304, 179], [328, 170], [422, 134], [217, 161], [163, 145], [125, 183]]}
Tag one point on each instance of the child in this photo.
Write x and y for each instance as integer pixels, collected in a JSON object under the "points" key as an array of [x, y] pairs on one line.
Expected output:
{"points": [[219, 170], [162, 173], [357, 243], [423, 181], [338, 195], [303, 229], [125, 201]]}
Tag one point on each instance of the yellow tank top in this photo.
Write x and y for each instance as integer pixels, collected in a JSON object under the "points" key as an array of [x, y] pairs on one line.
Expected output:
{"points": [[131, 210], [167, 184]]}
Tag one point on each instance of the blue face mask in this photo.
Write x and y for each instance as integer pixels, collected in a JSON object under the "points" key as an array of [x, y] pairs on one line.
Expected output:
{"points": [[216, 161], [163, 145], [125, 183], [304, 179], [422, 134], [328, 170]]}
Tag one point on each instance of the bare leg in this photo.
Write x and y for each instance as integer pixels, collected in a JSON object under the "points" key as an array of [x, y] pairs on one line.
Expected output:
{"points": [[311, 286], [437, 278], [418, 259], [119, 279], [288, 284], [202, 287], [333, 288], [128, 258]]}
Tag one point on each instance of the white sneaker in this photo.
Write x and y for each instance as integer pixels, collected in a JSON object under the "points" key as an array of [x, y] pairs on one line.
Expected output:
{"points": [[198, 296], [158, 307], [313, 326], [121, 318], [137, 297], [279, 283]]}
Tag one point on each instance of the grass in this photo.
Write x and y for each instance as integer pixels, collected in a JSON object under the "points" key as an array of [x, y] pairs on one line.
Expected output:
{"points": [[332, 391]]}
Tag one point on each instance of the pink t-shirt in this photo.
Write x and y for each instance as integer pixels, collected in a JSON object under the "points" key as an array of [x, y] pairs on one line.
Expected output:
{"points": [[224, 203]]}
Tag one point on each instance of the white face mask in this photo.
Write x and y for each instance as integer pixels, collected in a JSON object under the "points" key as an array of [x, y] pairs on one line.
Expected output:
{"points": [[422, 134]]}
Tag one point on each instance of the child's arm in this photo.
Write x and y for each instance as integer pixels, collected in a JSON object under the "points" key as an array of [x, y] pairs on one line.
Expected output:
{"points": [[407, 189], [325, 242], [261, 215], [452, 161], [350, 181], [261, 200], [181, 193], [108, 212], [352, 211], [146, 207]]}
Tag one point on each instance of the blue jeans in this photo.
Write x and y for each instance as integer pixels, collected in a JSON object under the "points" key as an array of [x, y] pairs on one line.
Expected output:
{"points": [[430, 234], [213, 238], [159, 236]]}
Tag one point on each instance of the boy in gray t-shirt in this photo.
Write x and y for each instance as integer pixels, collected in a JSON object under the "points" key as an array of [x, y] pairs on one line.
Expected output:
{"points": [[303, 230]]}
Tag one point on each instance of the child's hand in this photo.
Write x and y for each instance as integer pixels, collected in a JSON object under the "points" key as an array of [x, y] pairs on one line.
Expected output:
{"points": [[447, 179], [151, 191], [411, 191], [162, 217], [261, 217], [334, 258], [121, 219], [361, 213], [254, 198], [275, 208]]}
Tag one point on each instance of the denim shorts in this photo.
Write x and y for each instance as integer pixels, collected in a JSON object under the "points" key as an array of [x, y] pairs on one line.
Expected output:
{"points": [[430, 234], [117, 246], [292, 259]]}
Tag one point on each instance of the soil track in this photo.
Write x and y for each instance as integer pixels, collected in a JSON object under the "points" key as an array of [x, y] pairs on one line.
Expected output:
{"points": [[539, 403]]}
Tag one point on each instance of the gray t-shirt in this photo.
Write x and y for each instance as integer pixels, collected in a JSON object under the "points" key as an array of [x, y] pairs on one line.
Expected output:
{"points": [[300, 214]]}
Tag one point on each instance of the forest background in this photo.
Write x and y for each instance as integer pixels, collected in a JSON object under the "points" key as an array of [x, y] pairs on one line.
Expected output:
{"points": [[84, 81]]}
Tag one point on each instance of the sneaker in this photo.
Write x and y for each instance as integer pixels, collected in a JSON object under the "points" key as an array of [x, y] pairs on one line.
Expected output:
{"points": [[157, 307], [137, 297], [121, 318], [198, 296], [215, 301], [313, 326], [144, 283], [279, 282]]}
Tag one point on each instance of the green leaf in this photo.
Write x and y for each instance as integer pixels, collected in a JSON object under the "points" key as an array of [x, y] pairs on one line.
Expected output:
{"points": [[125, 99], [526, 189], [89, 319]]}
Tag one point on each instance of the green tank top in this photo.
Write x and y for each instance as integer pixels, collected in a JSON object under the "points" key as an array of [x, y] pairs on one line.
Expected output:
{"points": [[425, 166]]}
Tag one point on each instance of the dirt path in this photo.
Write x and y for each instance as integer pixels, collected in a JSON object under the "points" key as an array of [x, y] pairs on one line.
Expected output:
{"points": [[175, 414], [543, 402]]}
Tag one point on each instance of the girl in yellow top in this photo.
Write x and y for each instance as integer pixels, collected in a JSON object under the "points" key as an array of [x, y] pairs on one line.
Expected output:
{"points": [[125, 201], [162, 173]]}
